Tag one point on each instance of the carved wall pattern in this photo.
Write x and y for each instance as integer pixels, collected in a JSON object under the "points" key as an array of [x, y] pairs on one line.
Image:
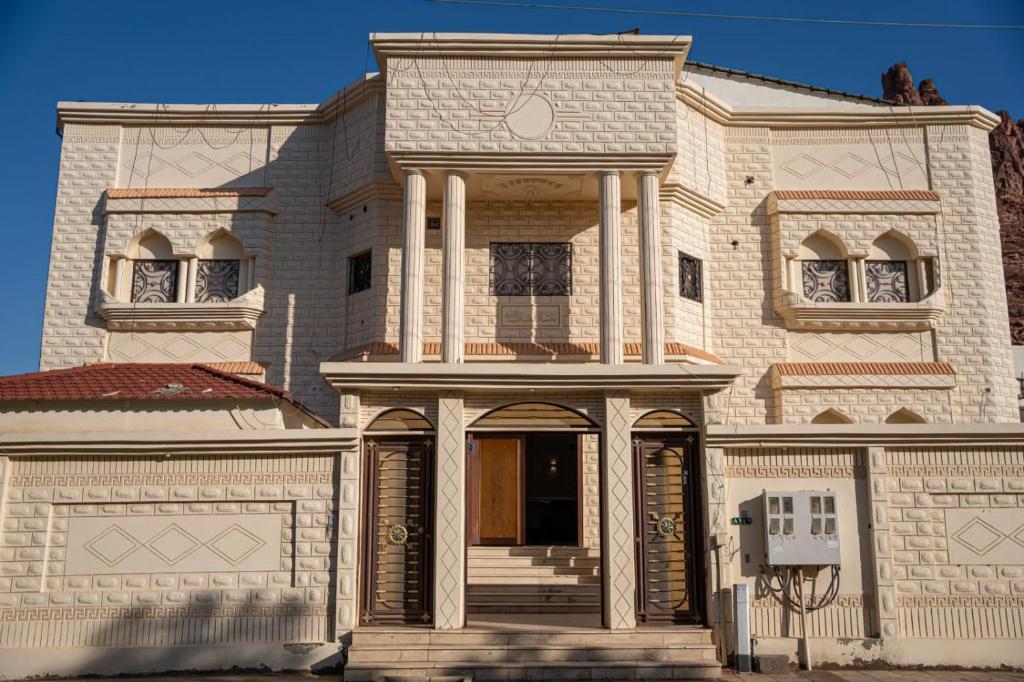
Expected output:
{"points": [[617, 556], [91, 545], [186, 230], [881, 545], [196, 157], [860, 346], [193, 346], [848, 617], [450, 514]]}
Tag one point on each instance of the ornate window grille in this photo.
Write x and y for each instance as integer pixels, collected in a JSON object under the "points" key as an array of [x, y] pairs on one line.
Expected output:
{"points": [[360, 272], [154, 281], [691, 277], [826, 281], [217, 280], [886, 281], [531, 269]]}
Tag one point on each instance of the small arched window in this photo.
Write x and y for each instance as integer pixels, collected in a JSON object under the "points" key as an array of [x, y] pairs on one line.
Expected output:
{"points": [[904, 416], [398, 420], [824, 269], [831, 416], [219, 269], [887, 271], [155, 271]]}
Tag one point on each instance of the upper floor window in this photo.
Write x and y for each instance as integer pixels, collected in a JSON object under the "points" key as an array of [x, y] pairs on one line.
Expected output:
{"points": [[360, 272], [154, 270], [217, 280], [887, 272], [824, 270], [691, 281], [531, 269]]}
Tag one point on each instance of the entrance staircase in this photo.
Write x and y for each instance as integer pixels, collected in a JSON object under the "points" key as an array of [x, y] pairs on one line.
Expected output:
{"points": [[491, 652], [533, 580]]}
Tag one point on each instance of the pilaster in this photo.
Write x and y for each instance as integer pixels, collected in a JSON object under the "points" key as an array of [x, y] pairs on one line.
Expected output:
{"points": [[881, 544], [610, 197], [410, 343], [346, 539], [454, 268], [652, 308], [618, 549], [450, 515]]}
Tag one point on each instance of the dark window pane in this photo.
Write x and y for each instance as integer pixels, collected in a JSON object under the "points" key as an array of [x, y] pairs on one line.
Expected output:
{"points": [[154, 281], [691, 278], [217, 280], [360, 272], [826, 281], [531, 269], [887, 281]]}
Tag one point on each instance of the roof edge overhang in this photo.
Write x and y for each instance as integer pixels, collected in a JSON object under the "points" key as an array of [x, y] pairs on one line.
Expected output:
{"points": [[170, 443], [863, 435], [386, 45], [522, 376]]}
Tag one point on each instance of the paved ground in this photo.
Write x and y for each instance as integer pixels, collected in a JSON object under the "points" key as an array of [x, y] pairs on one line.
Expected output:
{"points": [[727, 676]]}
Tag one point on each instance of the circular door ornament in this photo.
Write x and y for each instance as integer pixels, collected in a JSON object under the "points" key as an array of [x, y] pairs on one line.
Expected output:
{"points": [[397, 534], [531, 117], [666, 526]]}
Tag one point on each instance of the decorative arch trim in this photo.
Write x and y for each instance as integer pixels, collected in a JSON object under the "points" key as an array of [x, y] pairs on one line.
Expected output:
{"points": [[663, 419], [534, 415], [399, 419]]}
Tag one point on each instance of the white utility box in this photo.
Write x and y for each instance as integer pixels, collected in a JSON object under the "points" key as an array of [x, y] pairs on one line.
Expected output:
{"points": [[801, 528]]}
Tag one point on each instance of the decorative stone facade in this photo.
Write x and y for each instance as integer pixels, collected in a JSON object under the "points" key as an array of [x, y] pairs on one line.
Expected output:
{"points": [[200, 538]]}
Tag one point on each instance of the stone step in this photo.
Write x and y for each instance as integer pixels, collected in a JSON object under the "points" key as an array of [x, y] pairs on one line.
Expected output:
{"points": [[517, 562], [470, 653], [535, 579], [541, 672], [398, 637], [531, 551]]}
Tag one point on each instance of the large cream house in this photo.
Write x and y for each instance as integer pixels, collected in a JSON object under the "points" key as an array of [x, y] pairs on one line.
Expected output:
{"points": [[564, 306]]}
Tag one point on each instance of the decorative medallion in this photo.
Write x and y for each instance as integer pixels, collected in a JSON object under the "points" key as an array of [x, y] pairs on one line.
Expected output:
{"points": [[397, 534], [530, 117], [666, 527]]}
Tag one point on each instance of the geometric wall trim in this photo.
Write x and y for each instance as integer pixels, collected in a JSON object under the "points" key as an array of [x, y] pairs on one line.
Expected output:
{"points": [[985, 536]]}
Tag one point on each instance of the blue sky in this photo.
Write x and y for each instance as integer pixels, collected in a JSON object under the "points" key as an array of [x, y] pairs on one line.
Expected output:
{"points": [[256, 51]]}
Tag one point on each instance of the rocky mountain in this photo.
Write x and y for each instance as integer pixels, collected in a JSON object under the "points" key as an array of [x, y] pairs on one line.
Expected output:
{"points": [[1006, 143]]}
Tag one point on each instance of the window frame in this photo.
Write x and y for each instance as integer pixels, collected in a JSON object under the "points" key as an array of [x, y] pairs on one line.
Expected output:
{"points": [[699, 297], [352, 272], [530, 286]]}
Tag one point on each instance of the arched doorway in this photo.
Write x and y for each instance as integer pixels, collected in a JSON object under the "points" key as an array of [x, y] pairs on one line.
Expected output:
{"points": [[667, 492], [397, 581]]}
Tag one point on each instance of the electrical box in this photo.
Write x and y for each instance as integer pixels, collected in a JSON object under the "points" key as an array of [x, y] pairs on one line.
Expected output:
{"points": [[801, 528]]}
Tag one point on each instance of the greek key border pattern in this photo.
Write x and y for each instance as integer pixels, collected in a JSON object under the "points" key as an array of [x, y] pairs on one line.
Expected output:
{"points": [[184, 479], [795, 472], [136, 612]]}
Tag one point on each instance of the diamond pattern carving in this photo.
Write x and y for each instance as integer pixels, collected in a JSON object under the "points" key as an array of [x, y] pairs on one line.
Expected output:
{"points": [[978, 536], [174, 347], [853, 346], [617, 550], [449, 548], [112, 545], [235, 544], [985, 536]]}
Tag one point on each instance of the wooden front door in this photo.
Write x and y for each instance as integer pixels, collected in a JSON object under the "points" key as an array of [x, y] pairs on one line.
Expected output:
{"points": [[669, 587], [496, 483], [397, 581]]}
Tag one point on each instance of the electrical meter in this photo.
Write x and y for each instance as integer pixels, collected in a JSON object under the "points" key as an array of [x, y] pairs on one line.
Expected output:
{"points": [[801, 528]]}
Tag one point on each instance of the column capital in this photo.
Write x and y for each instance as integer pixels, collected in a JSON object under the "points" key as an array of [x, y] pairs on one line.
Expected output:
{"points": [[406, 172], [648, 172], [604, 173], [456, 173]]}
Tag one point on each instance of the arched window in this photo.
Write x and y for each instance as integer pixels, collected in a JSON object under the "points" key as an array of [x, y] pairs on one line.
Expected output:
{"points": [[399, 420], [831, 416], [533, 417], [660, 420], [904, 416], [824, 269], [890, 272], [155, 273], [219, 269]]}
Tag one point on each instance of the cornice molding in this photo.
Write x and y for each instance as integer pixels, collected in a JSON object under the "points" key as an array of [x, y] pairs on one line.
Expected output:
{"points": [[240, 314], [919, 202], [688, 198], [170, 443], [184, 114], [483, 377], [859, 116], [862, 435], [379, 190], [936, 380], [388, 45], [184, 200], [506, 162], [798, 314]]}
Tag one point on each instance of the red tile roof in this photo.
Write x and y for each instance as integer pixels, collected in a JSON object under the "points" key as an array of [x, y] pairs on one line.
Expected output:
{"points": [[863, 368], [186, 192], [137, 381], [859, 195]]}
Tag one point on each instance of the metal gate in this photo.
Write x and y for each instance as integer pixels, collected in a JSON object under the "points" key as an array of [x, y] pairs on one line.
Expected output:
{"points": [[397, 582], [667, 529]]}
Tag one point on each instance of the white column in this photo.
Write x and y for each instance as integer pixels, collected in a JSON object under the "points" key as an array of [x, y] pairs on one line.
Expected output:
{"points": [[450, 515], [618, 545], [410, 339], [190, 280], [453, 337], [181, 293], [653, 314], [611, 267]]}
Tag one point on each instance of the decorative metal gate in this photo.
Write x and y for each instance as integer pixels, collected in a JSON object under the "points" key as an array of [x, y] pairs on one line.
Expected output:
{"points": [[667, 529], [397, 582]]}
